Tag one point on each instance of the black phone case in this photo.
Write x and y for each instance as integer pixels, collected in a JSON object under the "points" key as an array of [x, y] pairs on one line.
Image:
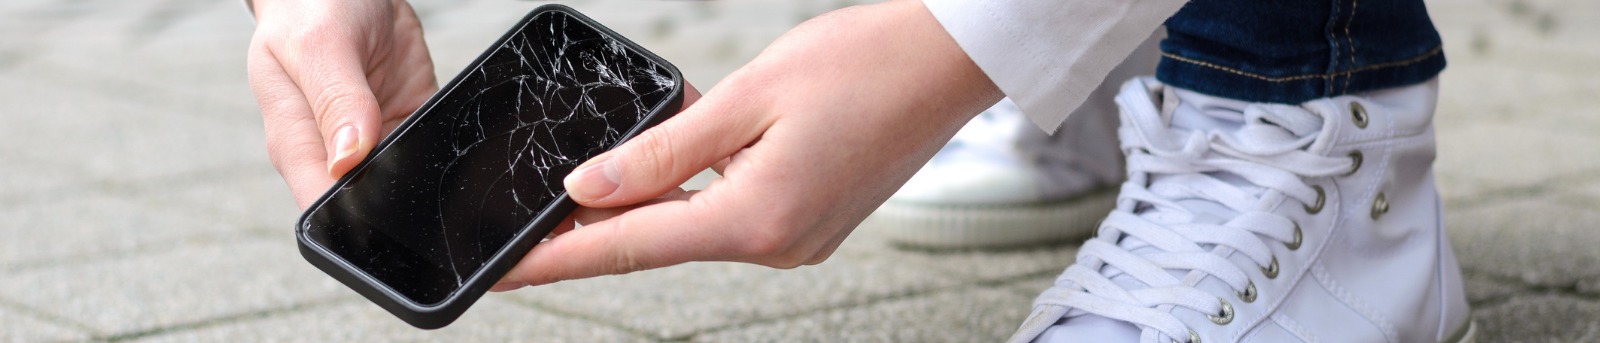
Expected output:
{"points": [[442, 314]]}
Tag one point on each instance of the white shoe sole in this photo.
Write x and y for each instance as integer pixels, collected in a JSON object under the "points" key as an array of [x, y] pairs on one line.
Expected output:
{"points": [[955, 227]]}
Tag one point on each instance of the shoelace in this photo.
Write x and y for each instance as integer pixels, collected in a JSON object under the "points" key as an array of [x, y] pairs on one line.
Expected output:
{"points": [[1152, 250]]}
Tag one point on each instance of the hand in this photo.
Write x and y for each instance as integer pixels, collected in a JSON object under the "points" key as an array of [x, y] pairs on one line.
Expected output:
{"points": [[332, 78], [810, 137]]}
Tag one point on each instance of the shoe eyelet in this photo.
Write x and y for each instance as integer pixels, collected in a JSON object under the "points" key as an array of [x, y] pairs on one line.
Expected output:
{"points": [[1380, 206], [1193, 338], [1271, 270], [1298, 238], [1249, 293], [1355, 160], [1322, 197], [1358, 114], [1225, 317]]}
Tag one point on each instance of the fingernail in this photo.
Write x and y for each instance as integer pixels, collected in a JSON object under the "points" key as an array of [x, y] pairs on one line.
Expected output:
{"points": [[594, 179], [505, 286], [345, 145]]}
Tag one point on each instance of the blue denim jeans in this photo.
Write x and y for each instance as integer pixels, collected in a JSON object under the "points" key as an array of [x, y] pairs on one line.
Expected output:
{"points": [[1291, 51]]}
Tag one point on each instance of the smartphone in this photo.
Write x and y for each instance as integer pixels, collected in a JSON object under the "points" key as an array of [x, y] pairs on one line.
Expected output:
{"points": [[459, 192]]}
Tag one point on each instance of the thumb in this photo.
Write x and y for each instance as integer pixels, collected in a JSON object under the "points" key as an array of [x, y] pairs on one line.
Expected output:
{"points": [[335, 85], [663, 157]]}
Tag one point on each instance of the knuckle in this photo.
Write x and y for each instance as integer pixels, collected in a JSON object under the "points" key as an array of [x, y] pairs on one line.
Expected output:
{"points": [[339, 101], [654, 151]]}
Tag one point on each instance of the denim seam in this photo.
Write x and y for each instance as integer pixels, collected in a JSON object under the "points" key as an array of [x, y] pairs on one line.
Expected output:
{"points": [[1350, 43], [1414, 60]]}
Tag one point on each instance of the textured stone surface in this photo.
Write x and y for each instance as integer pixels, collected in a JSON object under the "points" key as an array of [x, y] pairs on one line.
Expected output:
{"points": [[23, 328], [970, 315], [674, 302], [1540, 318], [491, 320], [94, 224], [1538, 241], [173, 287]]}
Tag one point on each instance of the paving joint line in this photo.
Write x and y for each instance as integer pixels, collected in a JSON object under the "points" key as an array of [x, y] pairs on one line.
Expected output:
{"points": [[869, 302], [199, 240], [210, 322], [48, 317]]}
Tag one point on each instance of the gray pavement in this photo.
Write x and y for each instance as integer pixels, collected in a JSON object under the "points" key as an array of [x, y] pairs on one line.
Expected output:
{"points": [[137, 203]]}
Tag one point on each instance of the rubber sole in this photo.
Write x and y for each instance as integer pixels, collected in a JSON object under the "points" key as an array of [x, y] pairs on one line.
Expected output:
{"points": [[961, 227]]}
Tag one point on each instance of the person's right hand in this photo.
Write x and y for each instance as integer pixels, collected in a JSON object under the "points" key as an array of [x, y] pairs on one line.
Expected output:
{"points": [[332, 78]]}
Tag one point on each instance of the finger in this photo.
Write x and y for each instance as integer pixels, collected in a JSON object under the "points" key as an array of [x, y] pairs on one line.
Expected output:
{"points": [[588, 215], [829, 248], [721, 165], [648, 237], [292, 137], [565, 226], [663, 157], [329, 69]]}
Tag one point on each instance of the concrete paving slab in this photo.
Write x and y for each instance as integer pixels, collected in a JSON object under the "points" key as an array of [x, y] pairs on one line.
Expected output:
{"points": [[492, 319], [975, 265], [1482, 288], [88, 225], [1539, 241], [673, 303], [1032, 287], [253, 199], [116, 138], [23, 177], [968, 315], [1506, 156], [23, 328], [185, 285], [1540, 318]]}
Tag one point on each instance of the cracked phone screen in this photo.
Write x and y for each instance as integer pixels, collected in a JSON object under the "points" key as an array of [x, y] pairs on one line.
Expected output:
{"points": [[432, 207]]}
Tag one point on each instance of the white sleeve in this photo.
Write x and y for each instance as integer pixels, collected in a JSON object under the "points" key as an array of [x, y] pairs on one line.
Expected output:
{"points": [[1048, 55]]}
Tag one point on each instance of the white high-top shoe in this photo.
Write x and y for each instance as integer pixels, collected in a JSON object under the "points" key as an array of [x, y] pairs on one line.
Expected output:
{"points": [[1247, 222], [1004, 182]]}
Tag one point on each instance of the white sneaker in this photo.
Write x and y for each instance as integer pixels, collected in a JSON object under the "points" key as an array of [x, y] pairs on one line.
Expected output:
{"points": [[1001, 182], [1266, 223]]}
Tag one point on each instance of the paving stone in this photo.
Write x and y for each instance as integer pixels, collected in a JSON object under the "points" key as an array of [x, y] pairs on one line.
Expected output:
{"points": [[23, 328], [185, 285], [119, 139], [492, 319], [1503, 156], [971, 315], [674, 302], [1539, 241], [94, 224], [1482, 288], [1540, 318], [1032, 287], [254, 199], [23, 177], [975, 265]]}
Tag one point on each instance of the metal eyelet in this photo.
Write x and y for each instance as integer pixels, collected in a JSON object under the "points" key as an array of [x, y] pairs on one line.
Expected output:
{"points": [[1380, 206], [1224, 317], [1322, 197], [1249, 293], [1193, 338], [1355, 159], [1358, 114], [1298, 238], [1271, 270]]}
